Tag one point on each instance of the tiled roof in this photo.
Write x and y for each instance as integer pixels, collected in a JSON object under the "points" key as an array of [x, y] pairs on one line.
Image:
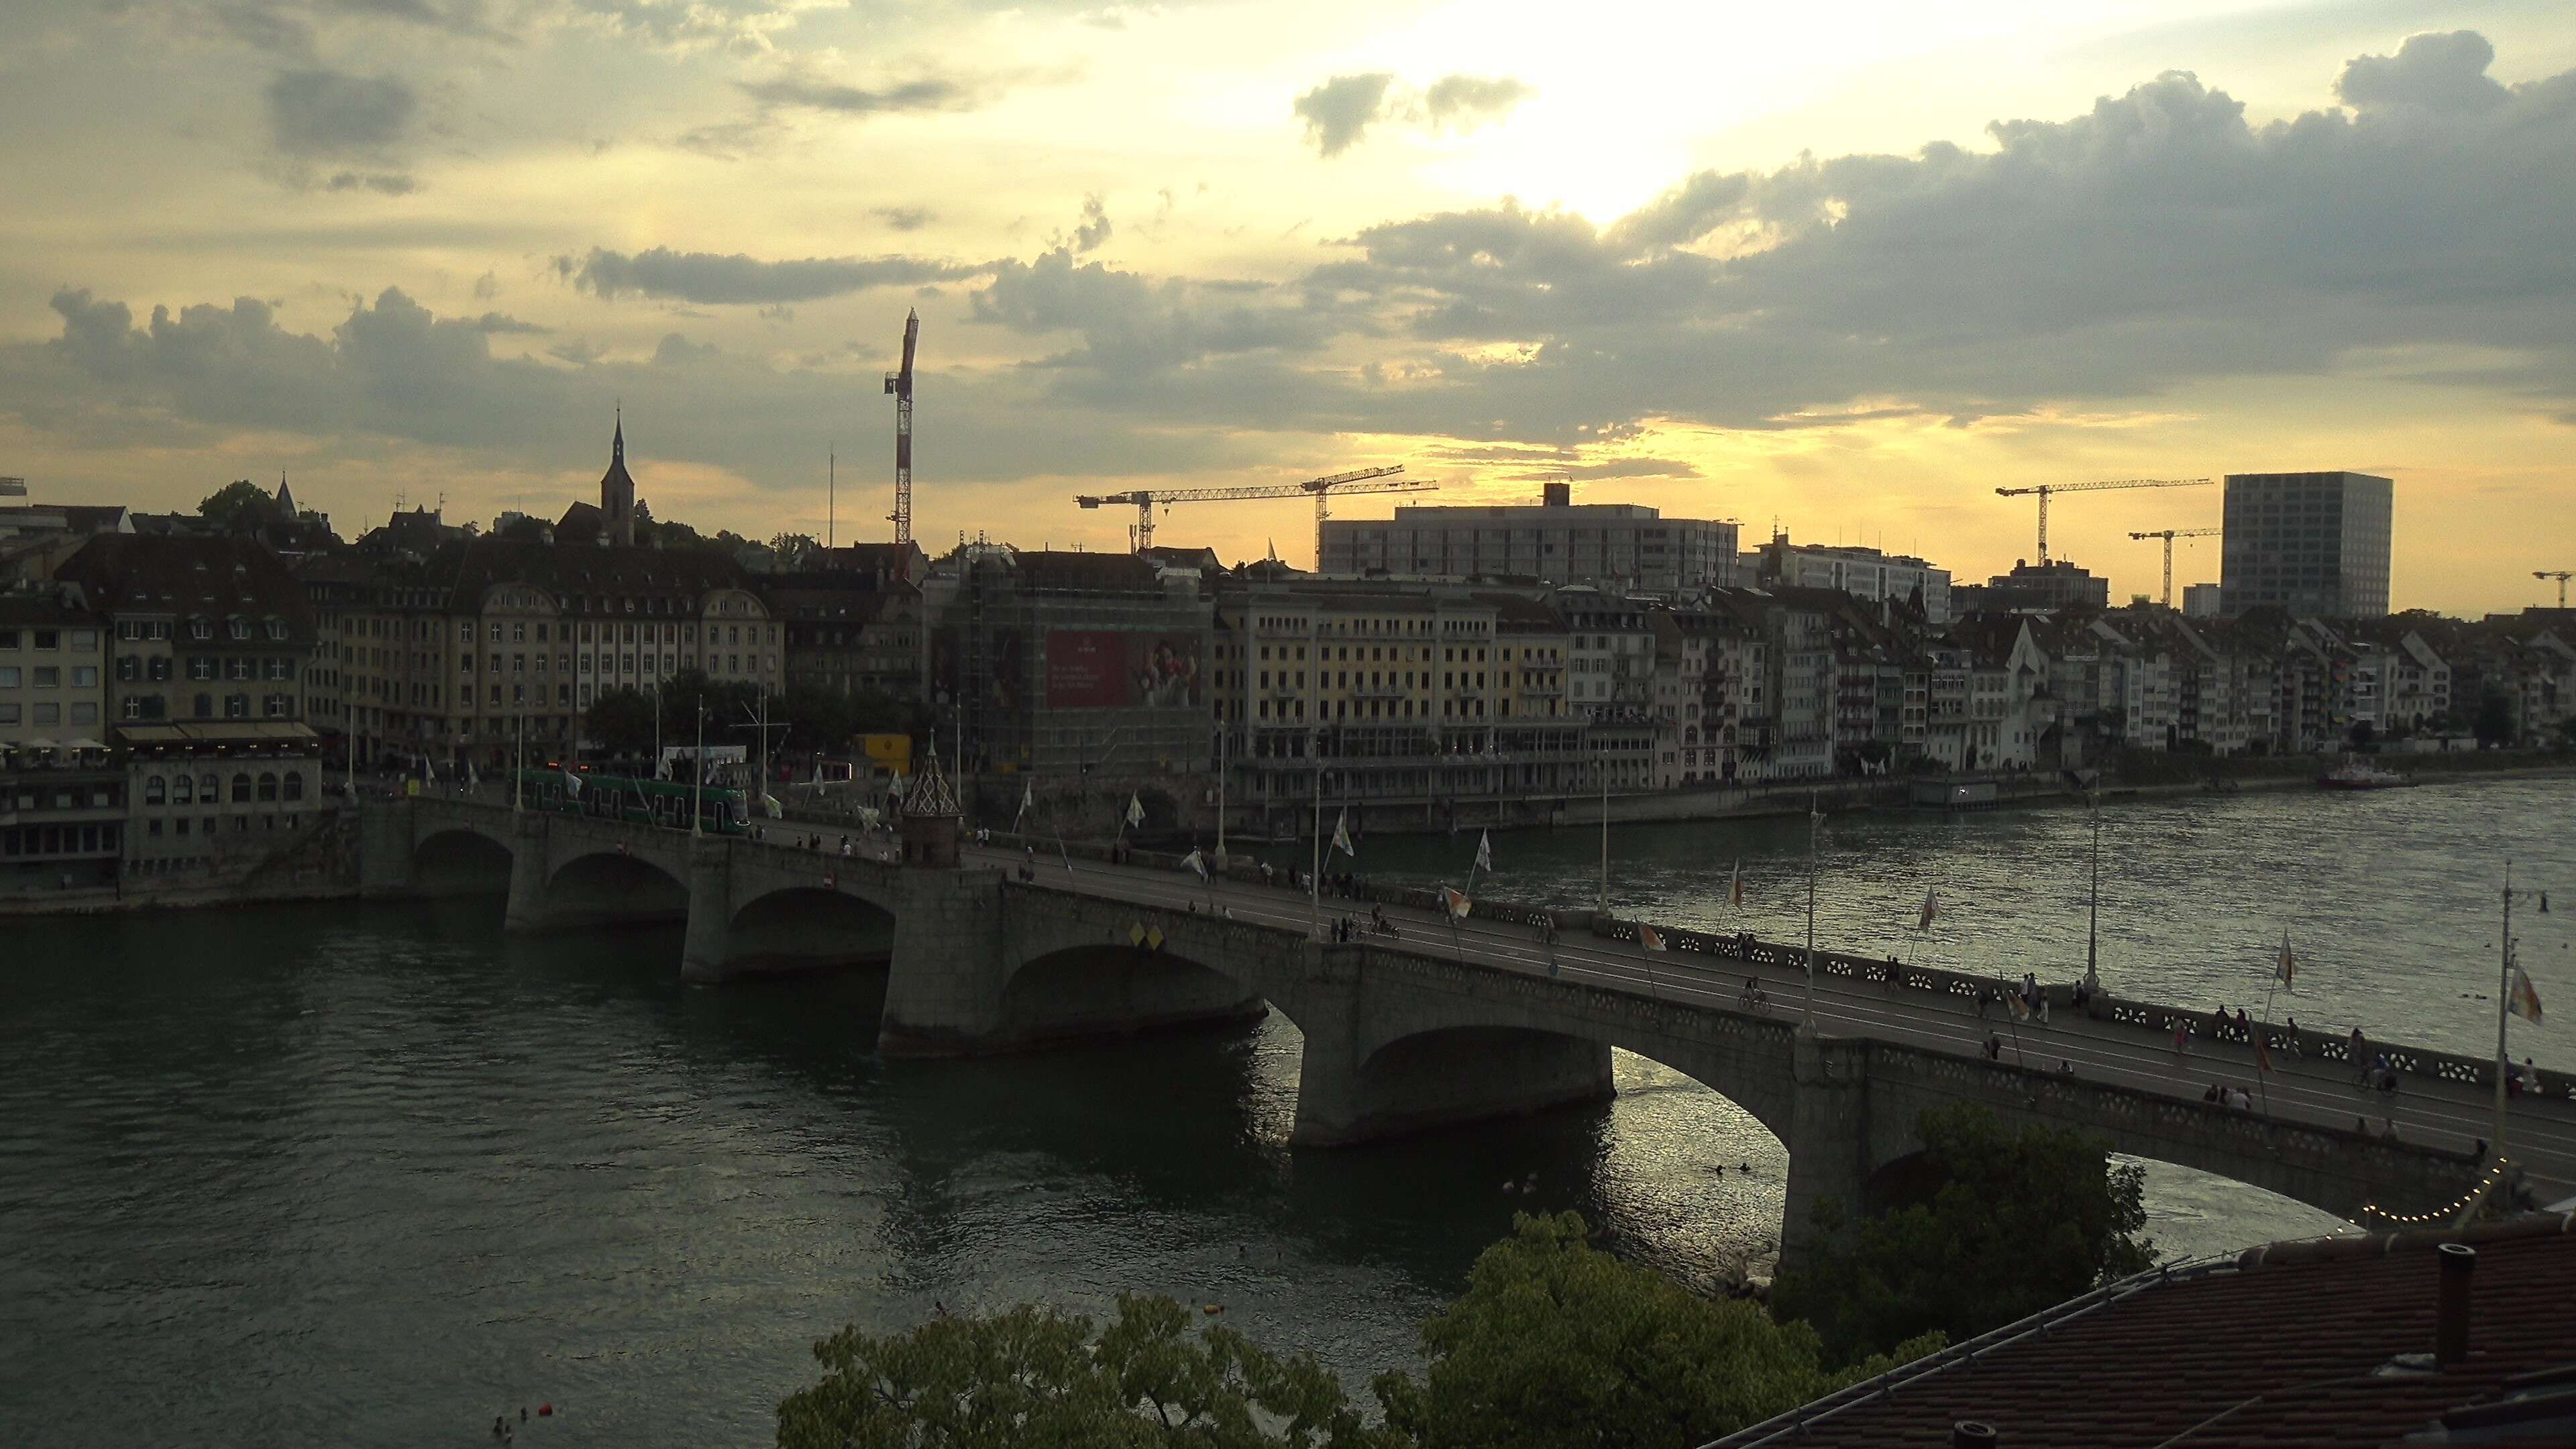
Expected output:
{"points": [[178, 575], [468, 569], [2281, 1348]]}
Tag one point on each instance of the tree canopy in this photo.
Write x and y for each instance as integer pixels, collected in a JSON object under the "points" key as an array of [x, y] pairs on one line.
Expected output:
{"points": [[240, 506], [1040, 1376], [1559, 1345], [2015, 1218]]}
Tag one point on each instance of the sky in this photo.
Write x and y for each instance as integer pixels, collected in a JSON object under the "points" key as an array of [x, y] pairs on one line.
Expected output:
{"points": [[1841, 268]]}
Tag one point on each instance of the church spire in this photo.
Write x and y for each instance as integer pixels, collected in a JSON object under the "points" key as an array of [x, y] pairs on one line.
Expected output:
{"points": [[617, 444]]}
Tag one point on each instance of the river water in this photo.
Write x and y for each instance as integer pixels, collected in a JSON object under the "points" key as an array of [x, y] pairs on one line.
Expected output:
{"points": [[342, 1175]]}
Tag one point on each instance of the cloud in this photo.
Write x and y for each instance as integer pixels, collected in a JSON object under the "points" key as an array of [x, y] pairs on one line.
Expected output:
{"points": [[902, 218], [389, 183], [739, 280], [2436, 72], [1462, 103], [1095, 226], [930, 93], [2156, 240], [314, 113], [495, 323], [1339, 110]]}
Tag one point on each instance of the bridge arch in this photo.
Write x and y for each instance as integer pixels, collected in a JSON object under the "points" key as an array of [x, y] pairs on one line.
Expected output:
{"points": [[803, 926], [606, 888], [460, 860], [1112, 986]]}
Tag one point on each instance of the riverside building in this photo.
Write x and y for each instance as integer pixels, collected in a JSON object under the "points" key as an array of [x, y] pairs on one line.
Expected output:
{"points": [[2315, 544], [1625, 546]]}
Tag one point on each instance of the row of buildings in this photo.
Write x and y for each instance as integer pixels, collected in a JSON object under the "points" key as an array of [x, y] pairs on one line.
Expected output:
{"points": [[173, 701]]}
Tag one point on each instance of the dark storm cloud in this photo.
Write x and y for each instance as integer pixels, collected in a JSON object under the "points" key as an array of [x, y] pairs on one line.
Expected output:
{"points": [[739, 280]]}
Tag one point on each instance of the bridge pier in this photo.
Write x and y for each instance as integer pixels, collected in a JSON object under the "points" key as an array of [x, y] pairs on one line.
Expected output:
{"points": [[528, 860], [944, 987], [384, 850], [707, 949], [1828, 1138]]}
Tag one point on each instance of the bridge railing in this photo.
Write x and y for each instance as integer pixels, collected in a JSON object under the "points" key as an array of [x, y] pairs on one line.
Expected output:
{"points": [[1959, 988]]}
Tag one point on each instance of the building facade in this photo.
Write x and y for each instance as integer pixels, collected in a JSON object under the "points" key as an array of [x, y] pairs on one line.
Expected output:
{"points": [[1621, 546], [1863, 573], [62, 794], [2315, 544]]}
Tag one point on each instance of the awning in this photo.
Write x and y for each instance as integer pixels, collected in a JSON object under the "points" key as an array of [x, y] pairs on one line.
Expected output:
{"points": [[236, 732]]}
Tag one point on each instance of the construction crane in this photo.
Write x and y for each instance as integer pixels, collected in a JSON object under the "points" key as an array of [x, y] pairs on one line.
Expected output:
{"points": [[2562, 576], [2045, 489], [2169, 535], [898, 385], [1142, 534]]}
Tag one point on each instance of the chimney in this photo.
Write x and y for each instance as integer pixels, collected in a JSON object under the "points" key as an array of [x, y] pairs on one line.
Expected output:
{"points": [[1971, 1434], [2451, 1305], [1555, 495]]}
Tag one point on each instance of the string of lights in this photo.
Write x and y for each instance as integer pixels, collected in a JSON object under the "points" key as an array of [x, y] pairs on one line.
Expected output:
{"points": [[2494, 1174]]}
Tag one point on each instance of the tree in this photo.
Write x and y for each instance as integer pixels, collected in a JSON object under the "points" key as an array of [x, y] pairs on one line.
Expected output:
{"points": [[2363, 733], [1038, 1376], [620, 722], [2494, 724], [1557, 1343], [791, 548], [240, 506], [2005, 1221]]}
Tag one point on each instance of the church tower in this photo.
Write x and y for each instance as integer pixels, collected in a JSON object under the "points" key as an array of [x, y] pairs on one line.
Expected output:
{"points": [[617, 492]]}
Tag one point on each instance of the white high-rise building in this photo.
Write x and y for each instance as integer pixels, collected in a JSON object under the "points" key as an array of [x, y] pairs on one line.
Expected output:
{"points": [[1863, 573], [1625, 547]]}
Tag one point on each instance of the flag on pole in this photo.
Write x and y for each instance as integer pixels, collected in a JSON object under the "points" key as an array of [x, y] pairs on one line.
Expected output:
{"points": [[472, 777], [572, 783], [1485, 851], [1735, 885], [2020, 1008], [770, 803], [1135, 810], [1456, 902], [2525, 1001], [1931, 908], [1342, 834], [2287, 965], [1649, 937], [1028, 797], [424, 769], [1194, 862]]}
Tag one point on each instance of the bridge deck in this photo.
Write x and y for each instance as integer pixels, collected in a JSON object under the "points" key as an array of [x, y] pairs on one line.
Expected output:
{"points": [[2302, 1090]]}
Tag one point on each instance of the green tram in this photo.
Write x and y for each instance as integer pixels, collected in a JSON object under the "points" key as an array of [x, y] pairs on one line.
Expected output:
{"points": [[722, 809]]}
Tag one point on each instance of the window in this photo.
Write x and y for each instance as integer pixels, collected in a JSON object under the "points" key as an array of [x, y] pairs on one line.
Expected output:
{"points": [[237, 628], [85, 712], [158, 668], [201, 629], [8, 676], [182, 791], [295, 785], [205, 707], [277, 628], [267, 786], [236, 706], [8, 714], [465, 633], [48, 676], [84, 676], [49, 639], [49, 714], [129, 668], [241, 789]]}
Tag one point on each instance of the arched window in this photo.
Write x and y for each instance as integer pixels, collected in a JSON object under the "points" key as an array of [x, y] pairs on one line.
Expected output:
{"points": [[295, 784], [267, 785], [209, 789], [183, 790], [156, 791], [241, 789]]}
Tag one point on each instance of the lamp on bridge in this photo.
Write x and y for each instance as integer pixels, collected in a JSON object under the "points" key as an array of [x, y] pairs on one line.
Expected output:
{"points": [[931, 821]]}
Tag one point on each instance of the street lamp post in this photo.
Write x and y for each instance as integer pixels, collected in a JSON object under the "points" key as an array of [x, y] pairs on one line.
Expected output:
{"points": [[698, 772], [1315, 881], [2093, 914], [1813, 817]]}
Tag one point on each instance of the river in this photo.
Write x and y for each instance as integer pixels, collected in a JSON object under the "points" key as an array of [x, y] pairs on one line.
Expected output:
{"points": [[344, 1175]]}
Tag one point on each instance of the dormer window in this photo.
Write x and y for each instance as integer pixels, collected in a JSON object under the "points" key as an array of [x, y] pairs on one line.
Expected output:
{"points": [[201, 629], [277, 628], [237, 628]]}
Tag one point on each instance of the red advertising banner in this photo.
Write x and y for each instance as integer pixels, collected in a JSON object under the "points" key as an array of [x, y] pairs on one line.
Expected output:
{"points": [[1086, 669], [1118, 669]]}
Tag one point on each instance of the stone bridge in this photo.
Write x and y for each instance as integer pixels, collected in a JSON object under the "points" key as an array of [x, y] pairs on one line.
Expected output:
{"points": [[1398, 1039]]}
